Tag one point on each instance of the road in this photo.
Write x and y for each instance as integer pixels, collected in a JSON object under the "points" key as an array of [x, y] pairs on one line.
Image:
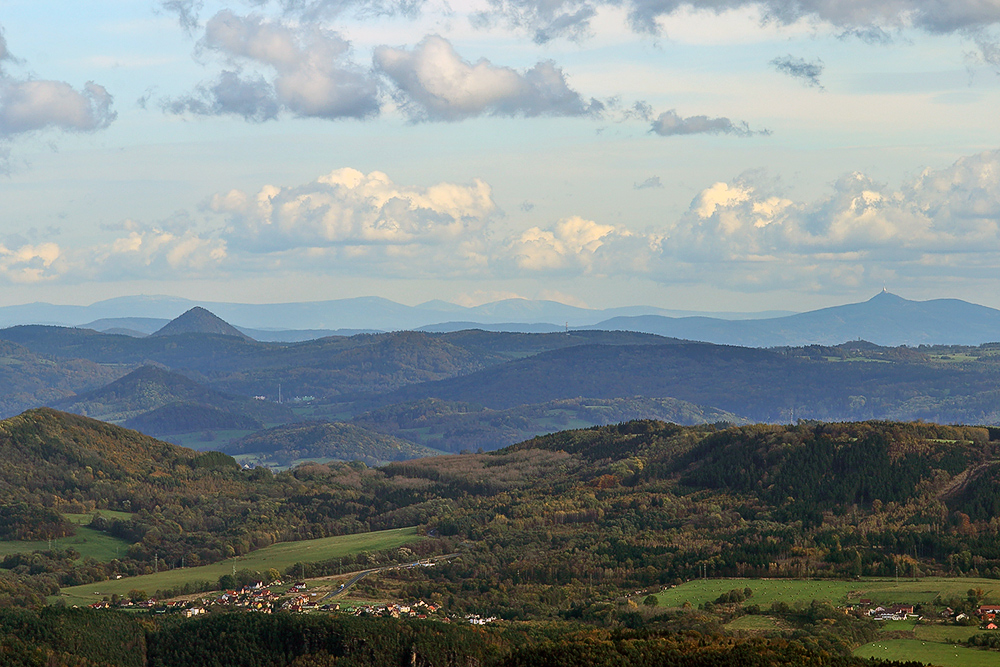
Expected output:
{"points": [[358, 576]]}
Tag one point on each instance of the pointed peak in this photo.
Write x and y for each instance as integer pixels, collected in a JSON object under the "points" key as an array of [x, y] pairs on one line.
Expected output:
{"points": [[200, 320], [885, 296]]}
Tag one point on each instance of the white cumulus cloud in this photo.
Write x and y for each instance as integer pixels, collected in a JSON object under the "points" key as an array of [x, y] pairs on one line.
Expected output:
{"points": [[440, 85], [29, 263], [30, 105], [349, 208]]}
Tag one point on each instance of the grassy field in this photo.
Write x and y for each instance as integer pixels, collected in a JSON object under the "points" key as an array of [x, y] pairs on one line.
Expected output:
{"points": [[942, 633], [929, 646], [753, 624], [278, 556], [929, 653], [84, 519], [880, 591], [89, 542], [899, 626]]}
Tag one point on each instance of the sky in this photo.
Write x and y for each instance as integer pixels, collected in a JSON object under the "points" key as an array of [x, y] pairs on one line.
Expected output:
{"points": [[717, 155]]}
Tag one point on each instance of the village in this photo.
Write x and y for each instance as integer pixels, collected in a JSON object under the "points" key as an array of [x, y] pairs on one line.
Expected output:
{"points": [[267, 599], [986, 616]]}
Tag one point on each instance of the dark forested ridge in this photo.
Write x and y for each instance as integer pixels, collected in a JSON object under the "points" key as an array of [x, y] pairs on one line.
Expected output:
{"points": [[75, 638], [326, 440], [456, 426], [848, 382], [150, 388], [510, 382]]}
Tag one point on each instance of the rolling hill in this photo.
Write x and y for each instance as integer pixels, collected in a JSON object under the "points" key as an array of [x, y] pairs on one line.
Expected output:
{"points": [[149, 388], [329, 441], [29, 379], [457, 426], [841, 383], [885, 319]]}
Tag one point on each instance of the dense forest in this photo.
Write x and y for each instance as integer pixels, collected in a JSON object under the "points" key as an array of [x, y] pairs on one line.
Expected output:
{"points": [[73, 638], [324, 440]]}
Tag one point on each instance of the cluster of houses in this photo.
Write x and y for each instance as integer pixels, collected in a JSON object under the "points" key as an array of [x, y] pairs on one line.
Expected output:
{"points": [[418, 610], [989, 615], [259, 597], [896, 612]]}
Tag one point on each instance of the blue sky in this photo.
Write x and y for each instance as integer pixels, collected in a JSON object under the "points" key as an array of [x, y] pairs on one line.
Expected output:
{"points": [[722, 155]]}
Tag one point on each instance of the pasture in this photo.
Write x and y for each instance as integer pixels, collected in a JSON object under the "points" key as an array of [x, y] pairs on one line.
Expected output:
{"points": [[930, 653], [279, 556], [836, 592], [88, 542]]}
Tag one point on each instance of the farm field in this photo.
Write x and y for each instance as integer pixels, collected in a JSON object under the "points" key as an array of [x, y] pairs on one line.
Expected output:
{"points": [[279, 556], [880, 591], [754, 624], [942, 633], [899, 626], [929, 653], [929, 646], [84, 519], [87, 541]]}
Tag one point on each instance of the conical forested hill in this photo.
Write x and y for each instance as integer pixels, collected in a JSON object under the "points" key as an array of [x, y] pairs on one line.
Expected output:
{"points": [[199, 320]]}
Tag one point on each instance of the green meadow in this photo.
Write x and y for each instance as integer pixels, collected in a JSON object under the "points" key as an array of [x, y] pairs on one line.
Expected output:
{"points": [[930, 653], [279, 556], [754, 624], [930, 645], [88, 542], [790, 591]]}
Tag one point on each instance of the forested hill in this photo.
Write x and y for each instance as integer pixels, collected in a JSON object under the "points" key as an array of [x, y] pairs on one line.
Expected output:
{"points": [[198, 320], [555, 521], [149, 387], [763, 385], [325, 440]]}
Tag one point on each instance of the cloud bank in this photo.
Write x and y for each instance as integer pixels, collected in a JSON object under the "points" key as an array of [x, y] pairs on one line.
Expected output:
{"points": [[869, 21], [740, 234]]}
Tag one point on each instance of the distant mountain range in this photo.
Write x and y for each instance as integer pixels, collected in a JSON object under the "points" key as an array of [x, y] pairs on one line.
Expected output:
{"points": [[362, 313], [885, 319]]}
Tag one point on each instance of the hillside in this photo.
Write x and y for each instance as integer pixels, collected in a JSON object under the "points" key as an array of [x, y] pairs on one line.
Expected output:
{"points": [[327, 367], [843, 383], [560, 528], [457, 426], [326, 440], [149, 388], [181, 417], [198, 320], [885, 319], [29, 379]]}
